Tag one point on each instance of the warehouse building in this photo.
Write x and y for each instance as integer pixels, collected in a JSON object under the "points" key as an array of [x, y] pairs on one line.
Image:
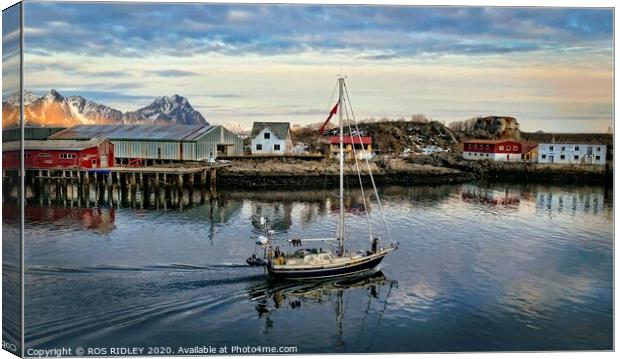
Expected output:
{"points": [[160, 143], [60, 154], [30, 133]]}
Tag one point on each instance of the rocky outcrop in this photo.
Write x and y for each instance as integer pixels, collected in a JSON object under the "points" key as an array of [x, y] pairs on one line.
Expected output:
{"points": [[496, 127]]}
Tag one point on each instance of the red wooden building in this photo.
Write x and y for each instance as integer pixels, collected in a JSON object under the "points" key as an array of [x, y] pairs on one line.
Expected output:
{"points": [[496, 150], [363, 146], [59, 154]]}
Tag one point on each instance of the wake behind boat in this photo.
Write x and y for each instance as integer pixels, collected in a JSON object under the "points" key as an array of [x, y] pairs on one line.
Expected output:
{"points": [[312, 262]]}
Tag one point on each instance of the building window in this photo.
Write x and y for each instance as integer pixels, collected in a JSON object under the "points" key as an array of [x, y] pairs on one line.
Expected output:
{"points": [[276, 147], [501, 148], [259, 147], [550, 148], [563, 148], [27, 155], [267, 135], [576, 157], [598, 158], [487, 155], [544, 157], [507, 148], [598, 149], [66, 156], [576, 148], [46, 155], [562, 157]]}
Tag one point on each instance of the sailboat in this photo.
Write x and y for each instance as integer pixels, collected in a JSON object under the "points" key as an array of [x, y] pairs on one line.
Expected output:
{"points": [[312, 262]]}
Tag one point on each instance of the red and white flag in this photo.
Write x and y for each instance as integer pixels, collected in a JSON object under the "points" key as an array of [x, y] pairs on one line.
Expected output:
{"points": [[331, 114]]}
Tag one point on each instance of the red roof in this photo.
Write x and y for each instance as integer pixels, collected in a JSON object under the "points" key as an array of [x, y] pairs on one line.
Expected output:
{"points": [[527, 147], [490, 142], [334, 140]]}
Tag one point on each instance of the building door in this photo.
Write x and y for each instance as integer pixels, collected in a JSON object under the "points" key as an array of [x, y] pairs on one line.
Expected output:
{"points": [[104, 161], [550, 159]]}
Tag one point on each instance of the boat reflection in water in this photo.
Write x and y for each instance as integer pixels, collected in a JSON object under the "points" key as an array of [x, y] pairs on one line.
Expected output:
{"points": [[277, 294]]}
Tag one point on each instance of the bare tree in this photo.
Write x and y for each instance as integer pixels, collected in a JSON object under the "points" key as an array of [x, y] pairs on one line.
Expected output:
{"points": [[419, 118]]}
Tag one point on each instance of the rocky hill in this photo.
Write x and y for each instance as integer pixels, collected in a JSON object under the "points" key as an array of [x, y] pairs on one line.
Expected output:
{"points": [[392, 136], [489, 127], [500, 127], [54, 109]]}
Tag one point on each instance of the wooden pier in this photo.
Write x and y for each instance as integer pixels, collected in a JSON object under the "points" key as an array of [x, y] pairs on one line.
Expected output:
{"points": [[175, 186]]}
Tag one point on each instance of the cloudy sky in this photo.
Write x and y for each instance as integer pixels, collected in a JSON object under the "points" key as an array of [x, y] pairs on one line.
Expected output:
{"points": [[550, 68]]}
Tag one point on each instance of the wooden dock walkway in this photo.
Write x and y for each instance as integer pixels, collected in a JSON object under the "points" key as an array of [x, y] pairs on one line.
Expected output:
{"points": [[99, 184]]}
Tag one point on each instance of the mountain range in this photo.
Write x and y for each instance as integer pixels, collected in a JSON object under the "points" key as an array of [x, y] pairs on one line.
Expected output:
{"points": [[54, 109]]}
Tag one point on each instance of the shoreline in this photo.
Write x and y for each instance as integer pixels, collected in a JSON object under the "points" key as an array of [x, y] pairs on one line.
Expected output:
{"points": [[436, 170]]}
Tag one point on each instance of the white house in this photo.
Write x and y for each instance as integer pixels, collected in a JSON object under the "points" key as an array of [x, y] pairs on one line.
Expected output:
{"points": [[271, 138], [572, 153]]}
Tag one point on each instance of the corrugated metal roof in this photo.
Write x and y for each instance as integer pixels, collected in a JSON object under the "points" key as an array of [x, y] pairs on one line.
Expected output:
{"points": [[59, 145], [279, 128], [134, 132]]}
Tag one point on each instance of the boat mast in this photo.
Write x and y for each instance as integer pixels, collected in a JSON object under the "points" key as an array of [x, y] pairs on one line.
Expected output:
{"points": [[340, 109]]}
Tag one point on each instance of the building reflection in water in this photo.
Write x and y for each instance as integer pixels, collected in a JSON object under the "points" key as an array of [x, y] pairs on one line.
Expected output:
{"points": [[100, 219], [490, 196], [277, 207], [278, 214], [273, 295], [581, 202], [551, 199]]}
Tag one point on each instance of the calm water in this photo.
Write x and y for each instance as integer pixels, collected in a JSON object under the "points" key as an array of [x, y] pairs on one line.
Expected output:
{"points": [[480, 267]]}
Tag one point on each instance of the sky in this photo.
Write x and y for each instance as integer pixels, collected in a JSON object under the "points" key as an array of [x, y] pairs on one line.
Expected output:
{"points": [[551, 68]]}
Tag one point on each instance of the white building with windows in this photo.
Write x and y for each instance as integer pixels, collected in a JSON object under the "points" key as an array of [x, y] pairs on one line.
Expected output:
{"points": [[572, 153], [271, 138]]}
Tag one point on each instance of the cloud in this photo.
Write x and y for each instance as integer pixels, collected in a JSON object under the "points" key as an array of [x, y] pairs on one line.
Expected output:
{"points": [[246, 60], [172, 73], [139, 30]]}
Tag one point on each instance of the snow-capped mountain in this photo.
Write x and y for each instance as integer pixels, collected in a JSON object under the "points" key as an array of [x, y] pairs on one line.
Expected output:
{"points": [[92, 112], [235, 127], [49, 110], [29, 98], [167, 110], [54, 109]]}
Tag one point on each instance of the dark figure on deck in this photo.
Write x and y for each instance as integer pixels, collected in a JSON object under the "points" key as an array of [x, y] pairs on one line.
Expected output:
{"points": [[375, 245]]}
